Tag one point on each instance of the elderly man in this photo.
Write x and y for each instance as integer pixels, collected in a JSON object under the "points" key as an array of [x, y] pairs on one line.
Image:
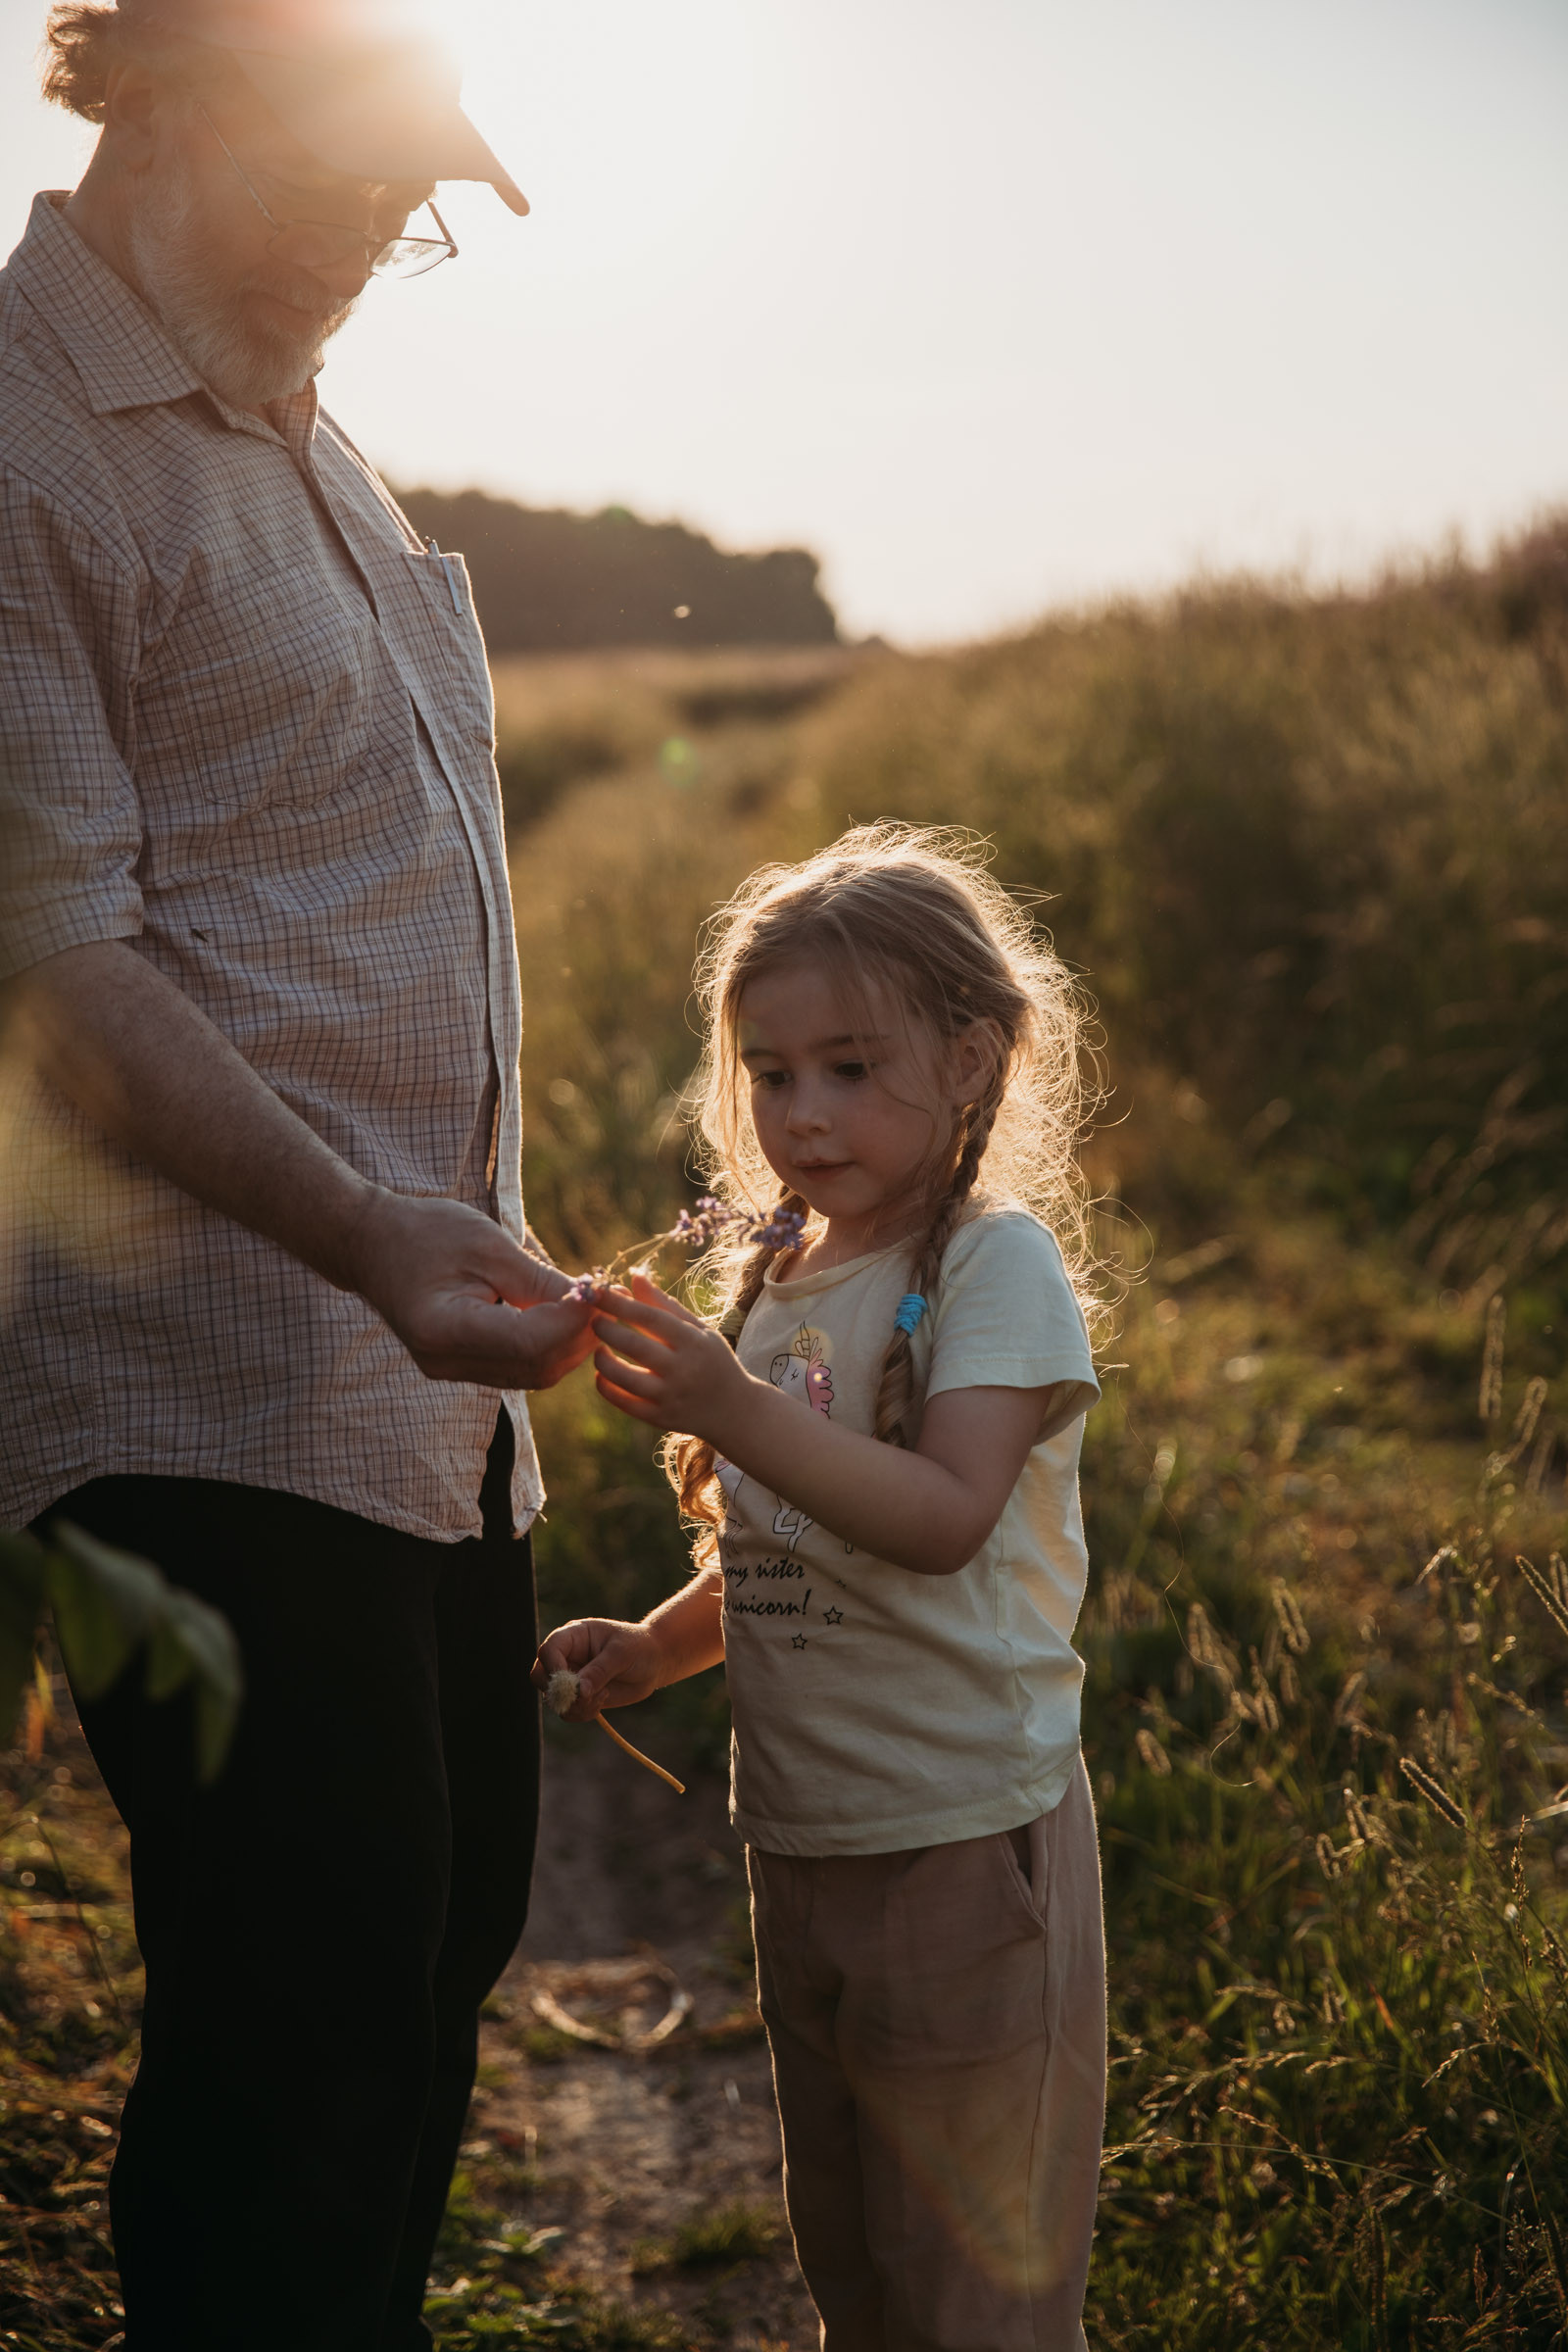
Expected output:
{"points": [[268, 1306]]}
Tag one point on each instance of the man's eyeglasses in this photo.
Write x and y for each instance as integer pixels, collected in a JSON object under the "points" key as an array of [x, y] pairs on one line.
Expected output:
{"points": [[329, 242]]}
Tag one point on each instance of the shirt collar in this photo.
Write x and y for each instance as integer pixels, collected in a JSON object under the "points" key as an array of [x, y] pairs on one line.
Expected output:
{"points": [[119, 352], [121, 355]]}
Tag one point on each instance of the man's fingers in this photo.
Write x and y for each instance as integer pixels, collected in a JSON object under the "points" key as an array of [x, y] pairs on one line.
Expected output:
{"points": [[522, 1279], [550, 1331], [500, 1347]]}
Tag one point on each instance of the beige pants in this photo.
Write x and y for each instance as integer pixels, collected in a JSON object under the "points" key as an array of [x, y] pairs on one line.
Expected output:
{"points": [[937, 2027]]}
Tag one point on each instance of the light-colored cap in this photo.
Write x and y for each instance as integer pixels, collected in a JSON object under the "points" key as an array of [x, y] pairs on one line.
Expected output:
{"points": [[354, 80]]}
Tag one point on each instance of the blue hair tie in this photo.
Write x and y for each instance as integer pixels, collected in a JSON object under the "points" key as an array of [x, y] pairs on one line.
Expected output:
{"points": [[912, 1306]]}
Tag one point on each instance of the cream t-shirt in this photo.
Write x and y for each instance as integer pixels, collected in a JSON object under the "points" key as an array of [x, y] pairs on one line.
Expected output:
{"points": [[876, 1709]]}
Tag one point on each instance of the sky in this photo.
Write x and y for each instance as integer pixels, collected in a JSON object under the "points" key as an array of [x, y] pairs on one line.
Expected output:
{"points": [[997, 305]]}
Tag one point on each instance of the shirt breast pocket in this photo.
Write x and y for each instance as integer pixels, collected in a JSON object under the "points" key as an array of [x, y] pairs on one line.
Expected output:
{"points": [[262, 691], [448, 647]]}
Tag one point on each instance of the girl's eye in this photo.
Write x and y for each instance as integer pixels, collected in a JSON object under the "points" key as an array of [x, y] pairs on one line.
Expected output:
{"points": [[849, 1070], [770, 1078]]}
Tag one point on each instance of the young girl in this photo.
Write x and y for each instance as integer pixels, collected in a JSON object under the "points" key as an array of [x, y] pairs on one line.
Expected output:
{"points": [[881, 1449]]}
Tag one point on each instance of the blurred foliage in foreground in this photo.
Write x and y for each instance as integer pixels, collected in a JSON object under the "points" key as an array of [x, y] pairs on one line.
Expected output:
{"points": [[68, 1980], [111, 1609]]}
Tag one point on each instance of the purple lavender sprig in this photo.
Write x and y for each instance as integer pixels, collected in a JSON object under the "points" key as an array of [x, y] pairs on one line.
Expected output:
{"points": [[698, 1226], [781, 1229]]}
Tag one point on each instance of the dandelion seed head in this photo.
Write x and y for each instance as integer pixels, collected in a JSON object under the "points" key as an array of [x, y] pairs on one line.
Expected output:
{"points": [[562, 1691]]}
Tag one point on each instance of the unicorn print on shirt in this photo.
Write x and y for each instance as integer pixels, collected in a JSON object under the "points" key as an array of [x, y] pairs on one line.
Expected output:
{"points": [[800, 1370]]}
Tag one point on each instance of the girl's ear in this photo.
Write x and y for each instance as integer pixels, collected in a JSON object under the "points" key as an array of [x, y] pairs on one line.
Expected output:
{"points": [[975, 1054]]}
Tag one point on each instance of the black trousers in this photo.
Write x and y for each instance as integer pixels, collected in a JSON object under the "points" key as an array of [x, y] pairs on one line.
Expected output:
{"points": [[320, 1926]]}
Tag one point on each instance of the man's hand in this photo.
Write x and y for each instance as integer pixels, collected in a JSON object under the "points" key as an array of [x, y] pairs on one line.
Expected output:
{"points": [[123, 1043], [450, 1284]]}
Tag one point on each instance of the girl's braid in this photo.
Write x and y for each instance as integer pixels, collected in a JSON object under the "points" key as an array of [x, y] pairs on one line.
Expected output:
{"points": [[691, 1459], [895, 1395]]}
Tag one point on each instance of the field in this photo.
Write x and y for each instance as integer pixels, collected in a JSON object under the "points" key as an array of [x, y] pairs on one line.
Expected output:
{"points": [[1312, 859]]}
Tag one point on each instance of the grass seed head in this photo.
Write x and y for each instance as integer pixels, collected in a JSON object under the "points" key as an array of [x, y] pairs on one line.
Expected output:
{"points": [[1292, 1624], [1544, 1588], [1490, 1398], [1437, 1797]]}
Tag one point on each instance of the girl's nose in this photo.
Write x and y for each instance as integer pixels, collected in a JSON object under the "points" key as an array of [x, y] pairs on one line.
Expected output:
{"points": [[807, 1114]]}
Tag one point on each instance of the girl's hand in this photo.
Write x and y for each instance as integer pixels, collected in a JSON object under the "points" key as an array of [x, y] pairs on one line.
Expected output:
{"points": [[662, 1364], [616, 1663]]}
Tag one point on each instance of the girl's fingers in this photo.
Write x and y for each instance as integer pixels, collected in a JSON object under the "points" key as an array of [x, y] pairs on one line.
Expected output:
{"points": [[629, 1377], [657, 1315], [636, 1346], [571, 1645], [579, 1648], [632, 1406], [647, 1293]]}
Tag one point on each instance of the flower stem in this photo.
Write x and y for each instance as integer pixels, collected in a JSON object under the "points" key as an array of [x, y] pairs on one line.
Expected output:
{"points": [[647, 1762]]}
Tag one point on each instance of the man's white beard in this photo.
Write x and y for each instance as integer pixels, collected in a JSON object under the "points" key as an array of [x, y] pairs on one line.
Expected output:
{"points": [[247, 362]]}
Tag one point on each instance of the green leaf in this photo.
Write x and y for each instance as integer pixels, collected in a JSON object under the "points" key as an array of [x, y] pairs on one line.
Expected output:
{"points": [[206, 1639], [169, 1664], [215, 1720], [106, 1603], [22, 1566]]}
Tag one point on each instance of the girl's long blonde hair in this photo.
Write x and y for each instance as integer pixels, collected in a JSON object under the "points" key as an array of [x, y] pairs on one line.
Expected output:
{"points": [[912, 910]]}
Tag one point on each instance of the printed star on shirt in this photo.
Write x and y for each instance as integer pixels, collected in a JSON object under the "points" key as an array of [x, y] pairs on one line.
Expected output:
{"points": [[832, 1616], [798, 1641]]}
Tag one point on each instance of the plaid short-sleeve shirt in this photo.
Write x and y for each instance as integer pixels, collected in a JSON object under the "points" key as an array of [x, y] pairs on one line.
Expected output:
{"points": [[245, 726]]}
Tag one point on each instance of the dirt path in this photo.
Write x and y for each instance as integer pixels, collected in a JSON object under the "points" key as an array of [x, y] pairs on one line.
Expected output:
{"points": [[639, 1909]]}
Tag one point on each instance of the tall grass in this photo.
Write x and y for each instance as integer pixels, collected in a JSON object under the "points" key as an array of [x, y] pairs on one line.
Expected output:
{"points": [[1336, 1858], [1313, 857]]}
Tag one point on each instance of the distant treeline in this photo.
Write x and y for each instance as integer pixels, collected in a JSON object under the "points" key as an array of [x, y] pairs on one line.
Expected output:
{"points": [[545, 580]]}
